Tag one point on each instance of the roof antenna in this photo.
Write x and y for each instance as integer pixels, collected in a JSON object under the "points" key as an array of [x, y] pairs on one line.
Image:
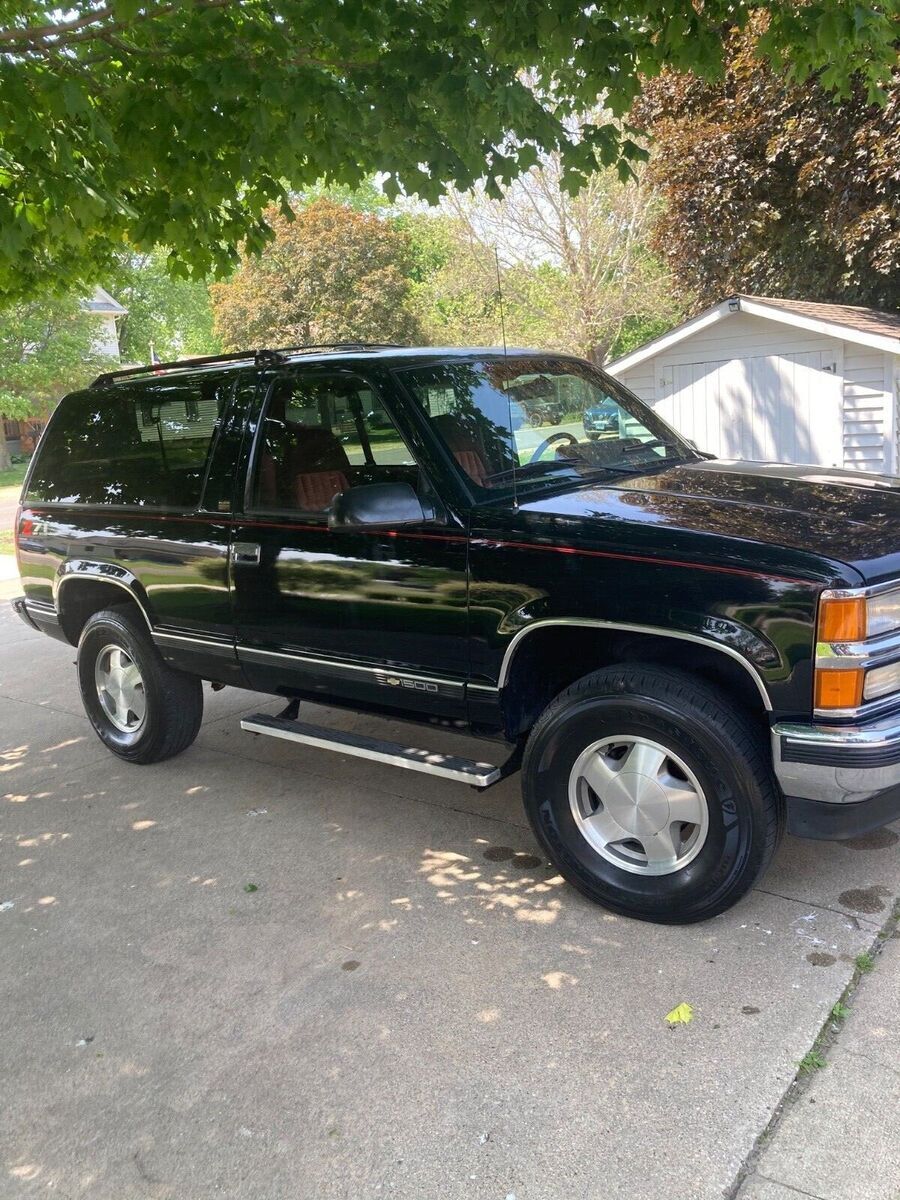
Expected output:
{"points": [[512, 436], [500, 299]]}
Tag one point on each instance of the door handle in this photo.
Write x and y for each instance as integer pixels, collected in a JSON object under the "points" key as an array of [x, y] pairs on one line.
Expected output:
{"points": [[245, 552]]}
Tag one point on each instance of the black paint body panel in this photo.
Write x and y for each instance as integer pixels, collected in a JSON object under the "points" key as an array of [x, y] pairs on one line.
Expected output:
{"points": [[419, 619]]}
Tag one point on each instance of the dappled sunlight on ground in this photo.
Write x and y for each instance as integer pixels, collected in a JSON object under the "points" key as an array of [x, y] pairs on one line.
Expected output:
{"points": [[41, 840], [13, 758], [460, 879], [25, 1172], [75, 741], [556, 980]]}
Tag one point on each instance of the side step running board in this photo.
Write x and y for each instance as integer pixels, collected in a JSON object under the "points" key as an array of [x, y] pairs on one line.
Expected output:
{"points": [[448, 766]]}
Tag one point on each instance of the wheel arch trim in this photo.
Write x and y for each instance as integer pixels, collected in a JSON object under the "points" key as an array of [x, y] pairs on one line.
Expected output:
{"points": [[101, 572], [623, 627]]}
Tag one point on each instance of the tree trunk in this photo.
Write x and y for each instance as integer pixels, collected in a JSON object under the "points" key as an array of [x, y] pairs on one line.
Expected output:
{"points": [[5, 460]]}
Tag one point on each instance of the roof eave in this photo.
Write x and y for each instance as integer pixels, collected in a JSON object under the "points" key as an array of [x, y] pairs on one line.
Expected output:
{"points": [[771, 312], [709, 316], [755, 307]]}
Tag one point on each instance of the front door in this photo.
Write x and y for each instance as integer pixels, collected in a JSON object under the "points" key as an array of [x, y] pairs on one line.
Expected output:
{"points": [[372, 615]]}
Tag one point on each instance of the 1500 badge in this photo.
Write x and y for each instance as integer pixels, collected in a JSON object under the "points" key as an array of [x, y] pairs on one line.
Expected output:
{"points": [[418, 685]]}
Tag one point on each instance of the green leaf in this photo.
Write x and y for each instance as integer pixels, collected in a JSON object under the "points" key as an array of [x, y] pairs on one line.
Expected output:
{"points": [[681, 1014], [169, 131]]}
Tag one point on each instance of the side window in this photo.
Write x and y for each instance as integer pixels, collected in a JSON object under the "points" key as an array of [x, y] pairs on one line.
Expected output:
{"points": [[321, 435], [147, 444]]}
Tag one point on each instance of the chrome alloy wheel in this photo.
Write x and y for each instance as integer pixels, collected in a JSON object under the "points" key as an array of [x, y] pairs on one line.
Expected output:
{"points": [[120, 689], [638, 805]]}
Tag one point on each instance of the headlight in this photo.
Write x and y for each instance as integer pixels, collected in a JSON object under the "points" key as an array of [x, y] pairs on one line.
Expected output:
{"points": [[881, 681], [882, 613], [857, 658]]}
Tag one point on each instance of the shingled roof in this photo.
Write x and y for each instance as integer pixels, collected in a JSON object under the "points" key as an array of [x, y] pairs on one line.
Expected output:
{"points": [[866, 326], [863, 320]]}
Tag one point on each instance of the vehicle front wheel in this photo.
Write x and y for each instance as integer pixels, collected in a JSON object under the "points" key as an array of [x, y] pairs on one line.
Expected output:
{"points": [[142, 710], [652, 794]]}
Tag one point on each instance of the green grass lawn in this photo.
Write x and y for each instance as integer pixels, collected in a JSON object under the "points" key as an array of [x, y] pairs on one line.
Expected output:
{"points": [[10, 486], [14, 477]]}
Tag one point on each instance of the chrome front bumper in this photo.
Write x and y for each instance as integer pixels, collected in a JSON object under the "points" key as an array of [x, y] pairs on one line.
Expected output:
{"points": [[837, 764], [839, 781]]}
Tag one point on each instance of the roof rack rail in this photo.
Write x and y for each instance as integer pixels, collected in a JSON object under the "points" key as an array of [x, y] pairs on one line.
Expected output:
{"points": [[339, 346], [176, 365], [262, 358]]}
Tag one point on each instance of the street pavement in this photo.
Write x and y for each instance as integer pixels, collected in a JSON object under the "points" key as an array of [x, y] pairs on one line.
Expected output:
{"points": [[267, 972]]}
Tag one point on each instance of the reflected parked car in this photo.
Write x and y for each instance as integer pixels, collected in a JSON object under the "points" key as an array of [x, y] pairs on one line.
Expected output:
{"points": [[601, 419]]}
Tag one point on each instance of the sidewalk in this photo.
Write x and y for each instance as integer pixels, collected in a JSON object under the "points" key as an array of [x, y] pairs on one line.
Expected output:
{"points": [[10, 584], [838, 1138]]}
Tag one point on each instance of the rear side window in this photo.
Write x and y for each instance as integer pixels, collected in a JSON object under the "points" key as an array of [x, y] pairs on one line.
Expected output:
{"points": [[321, 435], [147, 445]]}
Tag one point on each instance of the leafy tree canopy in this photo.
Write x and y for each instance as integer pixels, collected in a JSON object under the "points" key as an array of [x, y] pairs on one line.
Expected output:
{"points": [[182, 122], [47, 348], [775, 189], [580, 277], [174, 316], [330, 274]]}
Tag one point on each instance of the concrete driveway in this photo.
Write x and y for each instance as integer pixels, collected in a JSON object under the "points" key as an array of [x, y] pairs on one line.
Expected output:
{"points": [[409, 1004]]}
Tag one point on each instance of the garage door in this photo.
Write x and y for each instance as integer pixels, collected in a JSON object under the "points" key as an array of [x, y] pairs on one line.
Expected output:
{"points": [[778, 408]]}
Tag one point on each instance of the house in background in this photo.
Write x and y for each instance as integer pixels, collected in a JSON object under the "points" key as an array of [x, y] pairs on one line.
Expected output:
{"points": [[781, 380], [102, 305], [21, 436]]}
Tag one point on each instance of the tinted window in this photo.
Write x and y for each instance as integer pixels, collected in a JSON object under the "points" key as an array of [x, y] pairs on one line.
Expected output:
{"points": [[144, 445], [532, 421], [321, 435]]}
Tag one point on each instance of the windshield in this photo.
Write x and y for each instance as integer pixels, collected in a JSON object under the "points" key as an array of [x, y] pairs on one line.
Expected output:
{"points": [[520, 423]]}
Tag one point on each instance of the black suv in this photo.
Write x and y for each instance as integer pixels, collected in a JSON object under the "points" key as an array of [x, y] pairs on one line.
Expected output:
{"points": [[683, 656]]}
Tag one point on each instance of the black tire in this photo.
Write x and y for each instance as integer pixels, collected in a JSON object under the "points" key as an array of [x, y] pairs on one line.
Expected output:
{"points": [[719, 746], [173, 701]]}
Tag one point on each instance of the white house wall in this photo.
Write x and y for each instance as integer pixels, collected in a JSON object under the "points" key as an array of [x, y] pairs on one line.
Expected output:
{"points": [[107, 340], [842, 412], [642, 380], [867, 410]]}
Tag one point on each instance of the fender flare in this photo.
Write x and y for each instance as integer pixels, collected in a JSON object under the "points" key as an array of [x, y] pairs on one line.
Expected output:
{"points": [[620, 627], [102, 572]]}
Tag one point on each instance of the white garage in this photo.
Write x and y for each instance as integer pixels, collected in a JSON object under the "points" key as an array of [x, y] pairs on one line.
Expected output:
{"points": [[783, 380]]}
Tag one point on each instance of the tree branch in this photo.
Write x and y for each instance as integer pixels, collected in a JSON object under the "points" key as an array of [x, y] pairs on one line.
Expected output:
{"points": [[49, 39]]}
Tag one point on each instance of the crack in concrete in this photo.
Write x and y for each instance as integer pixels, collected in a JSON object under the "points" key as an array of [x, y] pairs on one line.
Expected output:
{"points": [[788, 1187], [828, 1036], [62, 712], [875, 1062], [862, 923]]}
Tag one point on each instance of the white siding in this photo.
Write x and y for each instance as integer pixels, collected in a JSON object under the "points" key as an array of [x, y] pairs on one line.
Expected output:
{"points": [[866, 410], [642, 380], [769, 407], [750, 387], [743, 336], [107, 340]]}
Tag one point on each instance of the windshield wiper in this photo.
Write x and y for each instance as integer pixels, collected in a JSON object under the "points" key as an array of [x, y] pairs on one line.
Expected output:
{"points": [[581, 467], [531, 468]]}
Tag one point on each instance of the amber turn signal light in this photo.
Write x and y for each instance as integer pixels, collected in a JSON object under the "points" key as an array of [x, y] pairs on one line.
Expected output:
{"points": [[839, 688], [842, 620]]}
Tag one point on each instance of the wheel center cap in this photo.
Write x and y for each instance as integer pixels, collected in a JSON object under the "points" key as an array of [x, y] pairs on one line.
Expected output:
{"points": [[638, 803]]}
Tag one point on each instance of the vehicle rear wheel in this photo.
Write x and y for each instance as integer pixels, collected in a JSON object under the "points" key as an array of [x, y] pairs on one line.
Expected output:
{"points": [[652, 794], [142, 710]]}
